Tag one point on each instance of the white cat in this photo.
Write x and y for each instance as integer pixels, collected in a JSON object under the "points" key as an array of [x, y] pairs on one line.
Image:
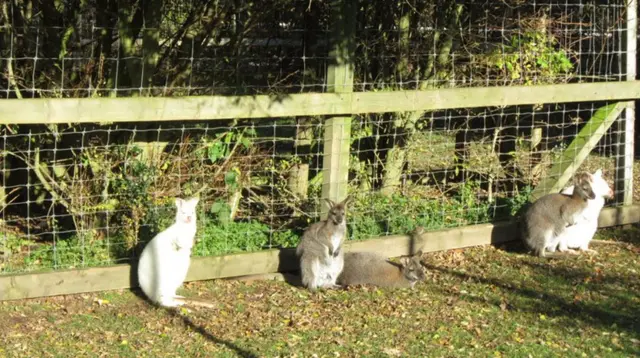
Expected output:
{"points": [[579, 235], [165, 260]]}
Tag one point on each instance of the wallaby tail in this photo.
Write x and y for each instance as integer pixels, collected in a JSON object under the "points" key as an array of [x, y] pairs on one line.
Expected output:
{"points": [[196, 302], [558, 255]]}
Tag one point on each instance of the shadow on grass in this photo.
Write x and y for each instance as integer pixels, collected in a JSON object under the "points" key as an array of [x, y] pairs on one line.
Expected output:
{"points": [[289, 266], [619, 309], [133, 279], [627, 235], [210, 337]]}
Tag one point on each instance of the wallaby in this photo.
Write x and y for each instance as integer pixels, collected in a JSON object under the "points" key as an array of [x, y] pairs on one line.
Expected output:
{"points": [[165, 260], [369, 268], [579, 235], [547, 218], [320, 249]]}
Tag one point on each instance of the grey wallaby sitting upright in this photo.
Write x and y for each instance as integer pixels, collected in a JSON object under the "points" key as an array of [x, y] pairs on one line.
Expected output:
{"points": [[546, 219], [320, 249], [370, 268]]}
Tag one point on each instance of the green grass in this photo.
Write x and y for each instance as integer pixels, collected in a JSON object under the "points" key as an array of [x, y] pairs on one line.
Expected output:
{"points": [[478, 302]]}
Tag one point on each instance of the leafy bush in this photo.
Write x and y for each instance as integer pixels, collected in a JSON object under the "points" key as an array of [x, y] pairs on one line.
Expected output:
{"points": [[516, 203], [378, 215], [241, 236], [532, 57], [74, 252]]}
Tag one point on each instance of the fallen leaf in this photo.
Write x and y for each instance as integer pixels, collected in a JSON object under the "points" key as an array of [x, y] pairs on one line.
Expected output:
{"points": [[393, 352]]}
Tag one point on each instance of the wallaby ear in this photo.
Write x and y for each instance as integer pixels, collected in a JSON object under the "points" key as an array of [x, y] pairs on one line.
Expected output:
{"points": [[404, 261], [179, 203], [598, 173], [330, 202], [418, 254], [346, 200], [194, 201]]}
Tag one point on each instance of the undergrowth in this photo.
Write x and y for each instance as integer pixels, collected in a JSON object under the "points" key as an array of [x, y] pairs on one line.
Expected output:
{"points": [[369, 216]]}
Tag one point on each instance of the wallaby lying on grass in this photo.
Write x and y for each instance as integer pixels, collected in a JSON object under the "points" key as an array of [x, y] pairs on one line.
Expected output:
{"points": [[320, 249], [579, 235], [369, 268], [164, 262], [547, 219]]}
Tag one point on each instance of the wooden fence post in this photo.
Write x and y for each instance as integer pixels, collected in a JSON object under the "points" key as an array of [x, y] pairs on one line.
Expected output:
{"points": [[571, 159], [337, 130], [625, 140]]}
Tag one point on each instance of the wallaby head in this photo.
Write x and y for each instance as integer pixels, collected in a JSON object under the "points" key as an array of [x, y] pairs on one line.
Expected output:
{"points": [[412, 267], [337, 212], [583, 186], [600, 186], [186, 210]]}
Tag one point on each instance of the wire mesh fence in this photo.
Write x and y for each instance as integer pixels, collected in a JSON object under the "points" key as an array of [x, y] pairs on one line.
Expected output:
{"points": [[82, 195]]}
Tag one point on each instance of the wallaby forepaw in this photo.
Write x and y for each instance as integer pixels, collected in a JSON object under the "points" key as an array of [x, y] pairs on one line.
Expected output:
{"points": [[589, 251]]}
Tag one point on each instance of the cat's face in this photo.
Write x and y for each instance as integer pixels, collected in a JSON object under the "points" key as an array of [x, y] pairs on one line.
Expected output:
{"points": [[600, 186], [186, 210]]}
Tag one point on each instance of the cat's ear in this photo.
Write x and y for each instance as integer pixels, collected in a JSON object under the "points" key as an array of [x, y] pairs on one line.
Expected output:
{"points": [[179, 203], [598, 173]]}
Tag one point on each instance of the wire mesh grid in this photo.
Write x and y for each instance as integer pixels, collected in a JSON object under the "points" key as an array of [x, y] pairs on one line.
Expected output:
{"points": [[422, 45], [88, 195]]}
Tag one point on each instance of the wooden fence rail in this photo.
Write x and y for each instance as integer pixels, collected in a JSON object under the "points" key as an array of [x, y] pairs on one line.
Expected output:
{"points": [[39, 284], [153, 109]]}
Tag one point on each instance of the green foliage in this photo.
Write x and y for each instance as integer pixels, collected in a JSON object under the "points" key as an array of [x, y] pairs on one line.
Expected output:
{"points": [[231, 179], [222, 211], [222, 144], [132, 186], [378, 215], [75, 252], [10, 243], [518, 201], [241, 236], [532, 55]]}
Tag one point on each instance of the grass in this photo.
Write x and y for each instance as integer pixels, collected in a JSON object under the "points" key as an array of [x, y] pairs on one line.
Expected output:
{"points": [[477, 302]]}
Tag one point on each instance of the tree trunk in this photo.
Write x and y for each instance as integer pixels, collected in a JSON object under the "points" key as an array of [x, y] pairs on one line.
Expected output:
{"points": [[402, 127], [130, 21]]}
